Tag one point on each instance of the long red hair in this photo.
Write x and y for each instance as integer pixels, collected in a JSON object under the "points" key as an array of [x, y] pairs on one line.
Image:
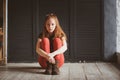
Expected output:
{"points": [[58, 32]]}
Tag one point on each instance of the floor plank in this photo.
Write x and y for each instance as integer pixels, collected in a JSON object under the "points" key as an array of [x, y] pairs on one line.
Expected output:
{"points": [[69, 71], [76, 71], [64, 73], [91, 71], [107, 72]]}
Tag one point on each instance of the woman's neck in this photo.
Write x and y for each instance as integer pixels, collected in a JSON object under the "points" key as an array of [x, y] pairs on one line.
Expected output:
{"points": [[51, 33]]}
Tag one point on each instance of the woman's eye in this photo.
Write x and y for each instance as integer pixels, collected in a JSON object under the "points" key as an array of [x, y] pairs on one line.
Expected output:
{"points": [[52, 24], [48, 24]]}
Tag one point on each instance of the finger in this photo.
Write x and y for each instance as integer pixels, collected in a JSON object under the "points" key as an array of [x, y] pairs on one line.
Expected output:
{"points": [[53, 61]]}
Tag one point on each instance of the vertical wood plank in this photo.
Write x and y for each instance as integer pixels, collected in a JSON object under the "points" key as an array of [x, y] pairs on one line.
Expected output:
{"points": [[107, 72], [64, 73], [91, 71], [38, 75], [76, 71], [69, 71], [5, 75]]}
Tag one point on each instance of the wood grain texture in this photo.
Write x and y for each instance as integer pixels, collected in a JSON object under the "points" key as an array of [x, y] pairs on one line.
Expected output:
{"points": [[69, 71]]}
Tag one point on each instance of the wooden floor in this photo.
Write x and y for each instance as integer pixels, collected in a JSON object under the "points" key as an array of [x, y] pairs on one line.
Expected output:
{"points": [[69, 71]]}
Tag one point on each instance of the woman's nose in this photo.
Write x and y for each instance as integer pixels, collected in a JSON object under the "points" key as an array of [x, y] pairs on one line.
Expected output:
{"points": [[50, 26]]}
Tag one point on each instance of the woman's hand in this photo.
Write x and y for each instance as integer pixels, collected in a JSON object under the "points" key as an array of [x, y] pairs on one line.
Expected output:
{"points": [[50, 58]]}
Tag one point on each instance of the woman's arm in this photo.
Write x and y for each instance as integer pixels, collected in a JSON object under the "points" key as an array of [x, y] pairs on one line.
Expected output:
{"points": [[43, 53], [40, 51], [60, 50]]}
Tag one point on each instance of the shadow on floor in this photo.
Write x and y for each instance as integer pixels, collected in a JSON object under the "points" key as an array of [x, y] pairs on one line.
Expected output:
{"points": [[116, 65], [36, 70]]}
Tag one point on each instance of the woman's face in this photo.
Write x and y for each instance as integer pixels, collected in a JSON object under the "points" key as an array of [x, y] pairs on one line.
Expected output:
{"points": [[50, 25]]}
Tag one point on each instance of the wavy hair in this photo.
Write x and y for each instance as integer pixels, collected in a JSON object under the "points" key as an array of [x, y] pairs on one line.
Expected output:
{"points": [[58, 32]]}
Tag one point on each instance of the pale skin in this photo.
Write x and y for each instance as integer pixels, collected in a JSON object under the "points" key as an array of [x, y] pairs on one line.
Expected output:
{"points": [[50, 27]]}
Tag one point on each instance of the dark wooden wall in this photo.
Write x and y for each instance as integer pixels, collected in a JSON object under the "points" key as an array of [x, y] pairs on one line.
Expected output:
{"points": [[80, 19], [20, 30], [86, 29]]}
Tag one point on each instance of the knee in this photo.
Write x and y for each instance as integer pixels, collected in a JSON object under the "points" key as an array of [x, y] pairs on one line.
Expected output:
{"points": [[45, 41], [57, 42], [45, 44], [57, 39]]}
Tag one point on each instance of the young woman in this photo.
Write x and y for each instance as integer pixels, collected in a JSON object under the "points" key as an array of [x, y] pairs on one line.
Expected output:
{"points": [[51, 45]]}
